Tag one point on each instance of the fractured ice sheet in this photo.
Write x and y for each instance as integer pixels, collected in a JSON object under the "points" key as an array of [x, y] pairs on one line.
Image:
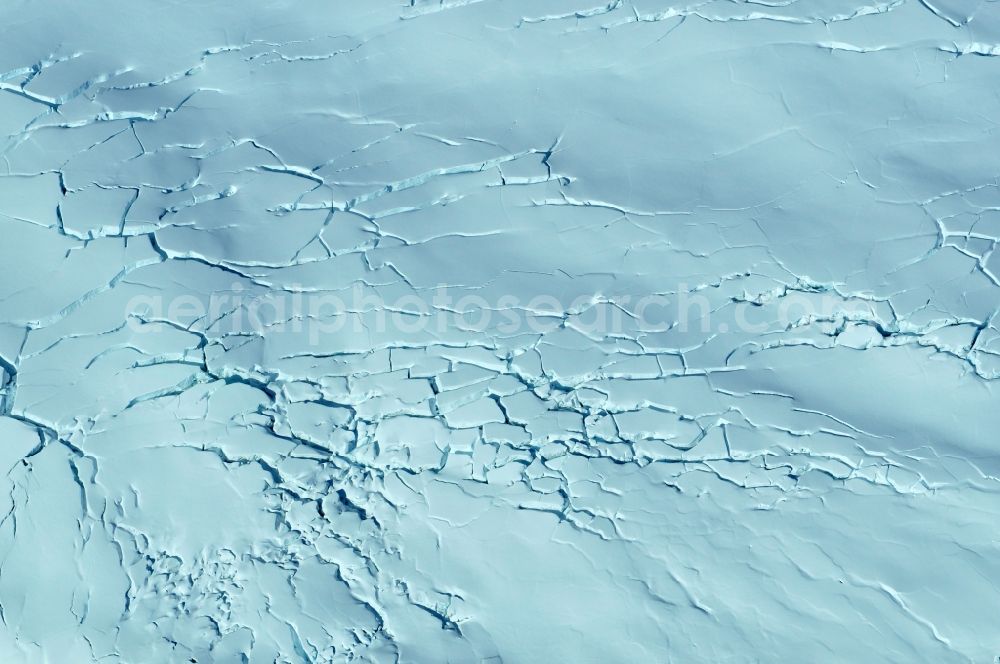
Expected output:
{"points": [[500, 331]]}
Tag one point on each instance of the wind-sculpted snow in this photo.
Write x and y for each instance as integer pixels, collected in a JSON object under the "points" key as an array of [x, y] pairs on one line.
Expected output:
{"points": [[499, 331]]}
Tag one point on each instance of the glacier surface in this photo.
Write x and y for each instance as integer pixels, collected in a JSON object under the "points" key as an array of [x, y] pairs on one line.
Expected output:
{"points": [[499, 331]]}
